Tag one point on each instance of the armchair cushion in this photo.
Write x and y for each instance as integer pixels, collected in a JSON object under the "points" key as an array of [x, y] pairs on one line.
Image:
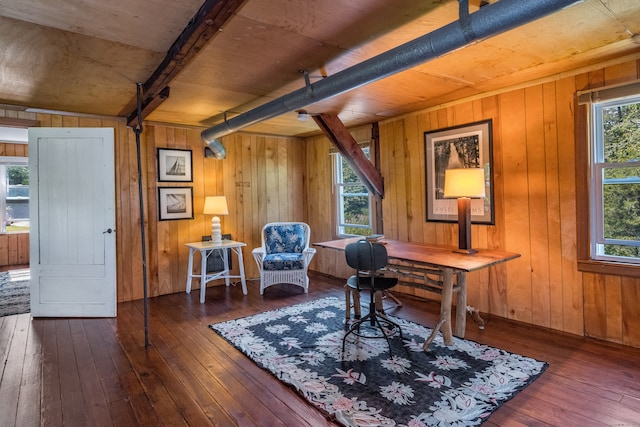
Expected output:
{"points": [[283, 261], [285, 238]]}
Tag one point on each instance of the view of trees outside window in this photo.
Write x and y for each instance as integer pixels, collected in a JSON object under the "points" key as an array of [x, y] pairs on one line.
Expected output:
{"points": [[617, 169], [15, 199], [353, 200]]}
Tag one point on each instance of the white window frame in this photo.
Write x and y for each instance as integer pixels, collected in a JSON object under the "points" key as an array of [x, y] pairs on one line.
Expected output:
{"points": [[339, 193], [4, 162], [597, 182]]}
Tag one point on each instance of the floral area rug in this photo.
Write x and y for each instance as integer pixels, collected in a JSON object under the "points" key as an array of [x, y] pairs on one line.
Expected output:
{"points": [[368, 385], [15, 294]]}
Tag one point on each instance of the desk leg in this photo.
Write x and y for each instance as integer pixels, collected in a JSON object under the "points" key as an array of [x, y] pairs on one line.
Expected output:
{"points": [[445, 311], [347, 299], [241, 266], [190, 271], [203, 275], [461, 305], [475, 315]]}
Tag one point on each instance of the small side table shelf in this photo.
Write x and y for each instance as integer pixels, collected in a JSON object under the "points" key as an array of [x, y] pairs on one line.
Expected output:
{"points": [[206, 249]]}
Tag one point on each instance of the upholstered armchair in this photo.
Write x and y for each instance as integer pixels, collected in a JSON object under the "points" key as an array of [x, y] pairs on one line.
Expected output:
{"points": [[285, 254]]}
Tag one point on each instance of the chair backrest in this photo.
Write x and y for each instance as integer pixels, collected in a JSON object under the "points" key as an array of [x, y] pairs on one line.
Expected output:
{"points": [[365, 255], [285, 237]]}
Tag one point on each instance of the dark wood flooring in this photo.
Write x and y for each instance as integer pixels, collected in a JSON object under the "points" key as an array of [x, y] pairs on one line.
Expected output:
{"points": [[98, 372]]}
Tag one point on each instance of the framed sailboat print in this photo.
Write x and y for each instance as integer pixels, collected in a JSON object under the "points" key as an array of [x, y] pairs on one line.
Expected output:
{"points": [[175, 203], [174, 165]]}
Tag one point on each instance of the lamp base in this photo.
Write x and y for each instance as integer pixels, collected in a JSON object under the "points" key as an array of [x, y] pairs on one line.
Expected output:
{"points": [[216, 230], [465, 251], [464, 227]]}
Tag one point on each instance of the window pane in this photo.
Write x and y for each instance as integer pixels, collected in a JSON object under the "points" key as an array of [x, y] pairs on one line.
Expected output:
{"points": [[348, 175], [621, 211], [622, 251], [354, 189], [353, 200], [16, 215], [356, 210], [18, 175], [356, 231], [621, 127], [616, 180], [18, 191]]}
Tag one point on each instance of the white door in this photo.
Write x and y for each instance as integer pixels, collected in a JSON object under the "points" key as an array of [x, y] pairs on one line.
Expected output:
{"points": [[72, 215]]}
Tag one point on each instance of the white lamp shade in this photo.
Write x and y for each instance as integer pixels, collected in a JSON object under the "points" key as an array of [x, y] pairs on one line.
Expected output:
{"points": [[466, 182], [215, 205]]}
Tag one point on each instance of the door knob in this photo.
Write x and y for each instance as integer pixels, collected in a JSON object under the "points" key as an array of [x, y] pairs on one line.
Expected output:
{"points": [[109, 230]]}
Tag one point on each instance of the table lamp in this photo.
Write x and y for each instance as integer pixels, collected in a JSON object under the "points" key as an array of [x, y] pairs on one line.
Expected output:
{"points": [[464, 184], [215, 205]]}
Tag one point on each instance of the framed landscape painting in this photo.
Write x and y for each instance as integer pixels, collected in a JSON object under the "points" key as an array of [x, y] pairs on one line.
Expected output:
{"points": [[465, 146]]}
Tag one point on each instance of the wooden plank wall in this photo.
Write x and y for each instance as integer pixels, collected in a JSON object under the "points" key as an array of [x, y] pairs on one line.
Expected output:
{"points": [[269, 178], [262, 178], [535, 208], [612, 303], [321, 203], [14, 247]]}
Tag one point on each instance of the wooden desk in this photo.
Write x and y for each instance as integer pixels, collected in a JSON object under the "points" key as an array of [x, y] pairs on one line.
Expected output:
{"points": [[206, 249], [411, 259]]}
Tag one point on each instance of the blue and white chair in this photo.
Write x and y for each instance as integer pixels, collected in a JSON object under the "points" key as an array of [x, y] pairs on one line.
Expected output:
{"points": [[285, 254]]}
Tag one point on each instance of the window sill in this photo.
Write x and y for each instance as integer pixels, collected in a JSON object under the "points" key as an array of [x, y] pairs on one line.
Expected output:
{"points": [[613, 268]]}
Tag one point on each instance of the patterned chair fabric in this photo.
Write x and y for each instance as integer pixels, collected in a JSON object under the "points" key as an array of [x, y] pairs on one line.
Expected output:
{"points": [[283, 261], [285, 254]]}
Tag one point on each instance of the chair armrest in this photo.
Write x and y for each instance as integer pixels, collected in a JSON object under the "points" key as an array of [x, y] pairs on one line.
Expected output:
{"points": [[308, 253], [258, 256]]}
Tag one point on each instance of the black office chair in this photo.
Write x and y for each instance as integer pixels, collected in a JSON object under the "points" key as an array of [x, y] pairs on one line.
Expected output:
{"points": [[367, 258]]}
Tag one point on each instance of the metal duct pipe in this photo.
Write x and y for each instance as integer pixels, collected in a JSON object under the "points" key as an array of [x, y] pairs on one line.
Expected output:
{"points": [[490, 20]]}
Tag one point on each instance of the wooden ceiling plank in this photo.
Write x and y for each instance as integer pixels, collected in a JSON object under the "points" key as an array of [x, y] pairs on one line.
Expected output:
{"points": [[341, 138], [201, 29]]}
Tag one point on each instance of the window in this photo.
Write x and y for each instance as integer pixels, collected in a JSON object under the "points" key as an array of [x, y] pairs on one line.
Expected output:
{"points": [[14, 194], [615, 180], [353, 201]]}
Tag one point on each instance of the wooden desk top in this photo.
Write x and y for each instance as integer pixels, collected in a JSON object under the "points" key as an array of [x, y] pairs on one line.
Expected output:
{"points": [[437, 256]]}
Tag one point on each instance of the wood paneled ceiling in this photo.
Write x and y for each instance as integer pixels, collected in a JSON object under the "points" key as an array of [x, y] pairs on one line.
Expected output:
{"points": [[86, 56]]}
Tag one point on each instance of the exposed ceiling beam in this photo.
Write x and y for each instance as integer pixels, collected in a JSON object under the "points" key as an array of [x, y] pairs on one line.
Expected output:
{"points": [[340, 136], [209, 19], [148, 106]]}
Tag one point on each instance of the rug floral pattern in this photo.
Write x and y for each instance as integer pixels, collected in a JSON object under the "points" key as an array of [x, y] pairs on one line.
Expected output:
{"points": [[368, 385], [15, 294]]}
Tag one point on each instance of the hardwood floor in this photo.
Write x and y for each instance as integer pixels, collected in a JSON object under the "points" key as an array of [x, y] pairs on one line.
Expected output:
{"points": [[97, 372]]}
